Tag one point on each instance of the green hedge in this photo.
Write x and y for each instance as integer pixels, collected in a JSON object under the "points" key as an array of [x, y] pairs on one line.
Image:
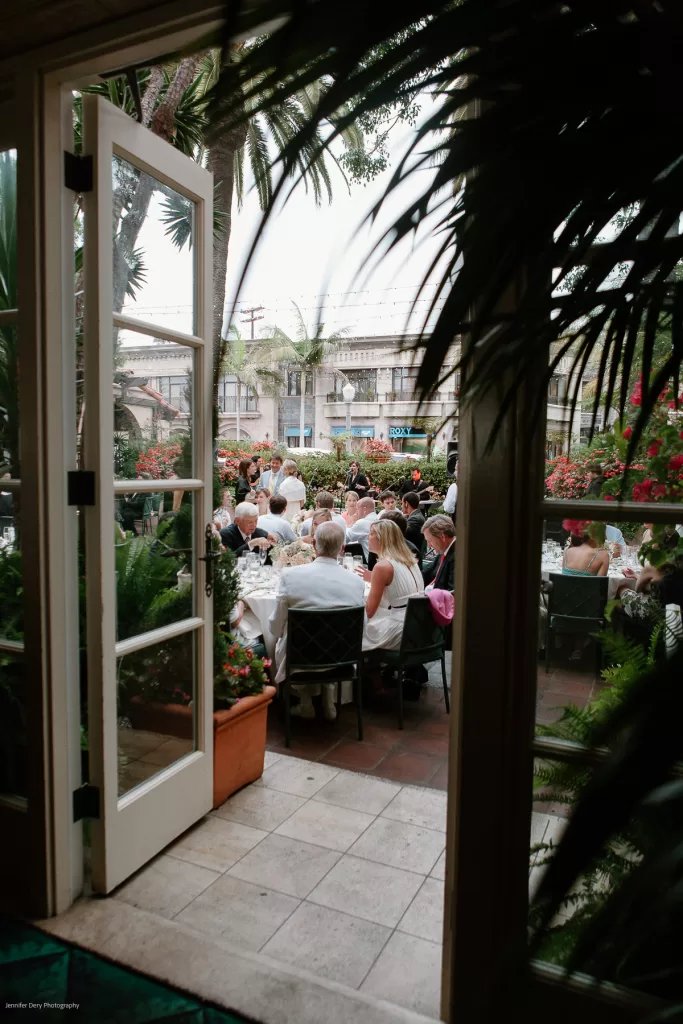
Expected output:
{"points": [[323, 472]]}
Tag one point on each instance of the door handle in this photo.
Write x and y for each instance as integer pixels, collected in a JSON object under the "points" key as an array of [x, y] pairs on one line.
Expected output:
{"points": [[210, 555]]}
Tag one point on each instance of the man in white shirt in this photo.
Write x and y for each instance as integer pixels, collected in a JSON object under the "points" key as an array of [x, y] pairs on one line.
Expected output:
{"points": [[360, 531], [273, 521], [324, 499], [613, 535], [273, 477], [451, 498], [320, 584]]}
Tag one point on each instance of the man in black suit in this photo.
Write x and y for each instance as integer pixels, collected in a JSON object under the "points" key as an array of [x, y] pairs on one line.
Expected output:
{"points": [[415, 520], [439, 533], [243, 535]]}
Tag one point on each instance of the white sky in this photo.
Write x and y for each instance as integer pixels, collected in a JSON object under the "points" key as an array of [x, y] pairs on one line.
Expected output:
{"points": [[307, 251]]}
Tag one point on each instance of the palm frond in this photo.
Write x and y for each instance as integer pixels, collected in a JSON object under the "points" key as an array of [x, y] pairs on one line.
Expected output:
{"points": [[556, 165]]}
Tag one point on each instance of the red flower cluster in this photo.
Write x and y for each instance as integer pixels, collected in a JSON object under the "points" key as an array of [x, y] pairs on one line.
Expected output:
{"points": [[158, 461], [577, 527]]}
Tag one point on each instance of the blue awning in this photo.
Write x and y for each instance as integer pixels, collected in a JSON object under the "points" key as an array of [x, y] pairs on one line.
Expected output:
{"points": [[296, 431], [406, 432], [356, 431]]}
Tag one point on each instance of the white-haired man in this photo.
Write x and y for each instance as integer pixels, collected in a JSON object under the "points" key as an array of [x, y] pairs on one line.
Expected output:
{"points": [[243, 535], [320, 584]]}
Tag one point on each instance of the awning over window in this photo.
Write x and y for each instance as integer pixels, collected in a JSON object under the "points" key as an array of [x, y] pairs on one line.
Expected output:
{"points": [[356, 431], [295, 431]]}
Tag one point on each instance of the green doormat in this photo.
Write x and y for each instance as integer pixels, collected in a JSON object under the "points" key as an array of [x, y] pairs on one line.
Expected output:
{"points": [[44, 978]]}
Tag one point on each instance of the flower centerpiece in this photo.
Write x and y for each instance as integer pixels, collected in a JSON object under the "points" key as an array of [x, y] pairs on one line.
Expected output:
{"points": [[296, 553]]}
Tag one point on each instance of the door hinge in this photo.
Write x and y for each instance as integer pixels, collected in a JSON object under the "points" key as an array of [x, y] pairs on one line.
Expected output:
{"points": [[86, 802], [80, 487], [78, 172]]}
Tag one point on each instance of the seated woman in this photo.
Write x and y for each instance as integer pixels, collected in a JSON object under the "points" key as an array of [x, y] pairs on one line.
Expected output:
{"points": [[322, 515], [394, 579], [262, 501], [349, 515], [583, 557]]}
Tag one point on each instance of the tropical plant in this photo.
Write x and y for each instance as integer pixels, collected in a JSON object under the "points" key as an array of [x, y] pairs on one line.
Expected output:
{"points": [[306, 354], [253, 365]]}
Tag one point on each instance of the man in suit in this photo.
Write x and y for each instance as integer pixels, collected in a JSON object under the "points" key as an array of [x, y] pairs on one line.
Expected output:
{"points": [[320, 584], [411, 510], [243, 535], [273, 477], [414, 484], [439, 533], [360, 531]]}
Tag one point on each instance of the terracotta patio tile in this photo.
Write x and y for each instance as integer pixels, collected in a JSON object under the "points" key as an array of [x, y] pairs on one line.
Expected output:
{"points": [[574, 689], [408, 768], [546, 716], [435, 726], [424, 743], [355, 755], [379, 735]]}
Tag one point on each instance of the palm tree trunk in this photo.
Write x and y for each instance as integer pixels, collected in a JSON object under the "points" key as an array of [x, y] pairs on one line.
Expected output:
{"points": [[238, 422], [302, 410]]}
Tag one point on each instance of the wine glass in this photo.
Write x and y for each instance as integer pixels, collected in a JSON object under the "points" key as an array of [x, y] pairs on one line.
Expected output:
{"points": [[263, 554], [242, 566]]}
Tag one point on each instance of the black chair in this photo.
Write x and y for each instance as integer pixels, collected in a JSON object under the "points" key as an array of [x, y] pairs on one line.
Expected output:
{"points": [[355, 549], [324, 647], [576, 604], [422, 642]]}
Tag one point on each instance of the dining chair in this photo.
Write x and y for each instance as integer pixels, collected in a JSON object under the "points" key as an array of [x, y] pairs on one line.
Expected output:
{"points": [[422, 643], [324, 647], [576, 604]]}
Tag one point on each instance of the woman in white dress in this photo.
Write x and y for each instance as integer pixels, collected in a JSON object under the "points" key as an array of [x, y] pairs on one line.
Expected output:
{"points": [[395, 578], [292, 489]]}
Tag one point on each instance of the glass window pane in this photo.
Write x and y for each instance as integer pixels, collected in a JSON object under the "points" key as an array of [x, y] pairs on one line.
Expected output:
{"points": [[13, 747], [8, 229], [156, 709], [153, 425], [154, 234], [606, 612], [154, 558]]}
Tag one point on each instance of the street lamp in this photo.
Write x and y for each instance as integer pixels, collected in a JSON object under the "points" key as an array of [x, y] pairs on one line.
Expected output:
{"points": [[349, 393]]}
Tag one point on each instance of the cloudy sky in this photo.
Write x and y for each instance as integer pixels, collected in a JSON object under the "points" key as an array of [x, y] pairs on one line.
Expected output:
{"points": [[309, 254]]}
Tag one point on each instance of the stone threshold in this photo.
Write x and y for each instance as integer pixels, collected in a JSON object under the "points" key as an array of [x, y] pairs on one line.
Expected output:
{"points": [[209, 968]]}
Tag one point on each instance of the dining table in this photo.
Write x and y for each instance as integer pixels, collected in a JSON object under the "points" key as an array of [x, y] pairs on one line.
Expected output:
{"points": [[258, 590], [616, 579]]}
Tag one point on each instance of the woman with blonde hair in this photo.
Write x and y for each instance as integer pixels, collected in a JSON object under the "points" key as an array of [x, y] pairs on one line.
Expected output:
{"points": [[349, 515], [321, 515], [292, 489], [262, 501], [395, 578]]}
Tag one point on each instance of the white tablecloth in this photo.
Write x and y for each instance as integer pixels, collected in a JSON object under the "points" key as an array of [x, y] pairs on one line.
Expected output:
{"points": [[260, 604]]}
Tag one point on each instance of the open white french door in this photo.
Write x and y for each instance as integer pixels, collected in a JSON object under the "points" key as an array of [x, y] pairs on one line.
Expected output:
{"points": [[147, 359]]}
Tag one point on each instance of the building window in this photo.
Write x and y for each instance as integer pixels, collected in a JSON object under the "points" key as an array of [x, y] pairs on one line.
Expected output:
{"points": [[175, 391], [227, 396], [293, 437], [554, 388], [404, 380], [365, 383], [294, 383]]}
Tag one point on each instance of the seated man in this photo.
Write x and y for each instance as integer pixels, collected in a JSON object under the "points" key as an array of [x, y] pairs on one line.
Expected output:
{"points": [[243, 535], [410, 506], [440, 535], [388, 499], [320, 584], [365, 517], [324, 499], [274, 522]]}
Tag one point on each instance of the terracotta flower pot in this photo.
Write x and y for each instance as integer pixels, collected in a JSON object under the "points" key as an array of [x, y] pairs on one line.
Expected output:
{"points": [[239, 737]]}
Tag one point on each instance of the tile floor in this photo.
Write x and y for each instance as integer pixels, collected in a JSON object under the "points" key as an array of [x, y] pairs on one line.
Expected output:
{"points": [[322, 869], [319, 868]]}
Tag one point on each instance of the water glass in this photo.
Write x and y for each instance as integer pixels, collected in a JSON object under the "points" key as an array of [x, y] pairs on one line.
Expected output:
{"points": [[243, 565], [358, 561], [348, 562]]}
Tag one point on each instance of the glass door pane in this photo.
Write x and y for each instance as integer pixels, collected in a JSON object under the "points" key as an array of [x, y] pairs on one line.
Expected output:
{"points": [[148, 376]]}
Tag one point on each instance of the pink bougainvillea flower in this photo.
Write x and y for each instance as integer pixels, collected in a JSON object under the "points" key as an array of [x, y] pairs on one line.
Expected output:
{"points": [[676, 462], [653, 448], [627, 433], [609, 497], [575, 526], [659, 491]]}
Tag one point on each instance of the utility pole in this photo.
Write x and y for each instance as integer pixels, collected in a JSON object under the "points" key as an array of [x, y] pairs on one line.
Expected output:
{"points": [[251, 319]]}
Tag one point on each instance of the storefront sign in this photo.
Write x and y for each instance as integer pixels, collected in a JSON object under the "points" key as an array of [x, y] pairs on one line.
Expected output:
{"points": [[406, 432]]}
